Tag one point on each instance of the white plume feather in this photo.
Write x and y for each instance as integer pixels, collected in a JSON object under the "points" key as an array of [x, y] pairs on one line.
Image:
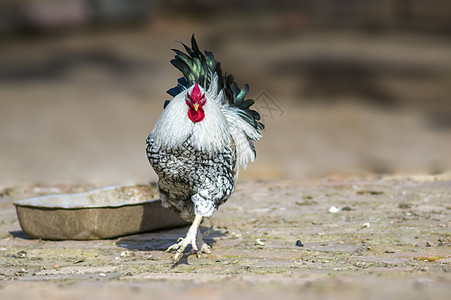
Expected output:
{"points": [[243, 135], [242, 132]]}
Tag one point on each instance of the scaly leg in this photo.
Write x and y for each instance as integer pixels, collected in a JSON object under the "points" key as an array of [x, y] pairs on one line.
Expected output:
{"points": [[193, 238], [204, 248]]}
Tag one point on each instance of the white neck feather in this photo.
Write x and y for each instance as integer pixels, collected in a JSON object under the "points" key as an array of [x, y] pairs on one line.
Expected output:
{"points": [[173, 127]]}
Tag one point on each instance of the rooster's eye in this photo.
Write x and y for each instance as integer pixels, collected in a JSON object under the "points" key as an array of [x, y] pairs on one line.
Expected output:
{"points": [[202, 102]]}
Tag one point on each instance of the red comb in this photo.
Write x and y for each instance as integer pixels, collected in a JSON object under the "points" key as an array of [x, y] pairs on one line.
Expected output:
{"points": [[196, 95]]}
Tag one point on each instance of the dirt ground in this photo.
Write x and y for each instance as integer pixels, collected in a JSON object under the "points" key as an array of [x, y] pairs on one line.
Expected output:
{"points": [[389, 238]]}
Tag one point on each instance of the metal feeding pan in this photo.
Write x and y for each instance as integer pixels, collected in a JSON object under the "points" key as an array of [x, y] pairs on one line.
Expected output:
{"points": [[100, 214]]}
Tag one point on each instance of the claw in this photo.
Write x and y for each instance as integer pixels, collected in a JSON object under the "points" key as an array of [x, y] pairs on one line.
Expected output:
{"points": [[176, 246], [177, 256], [205, 248]]}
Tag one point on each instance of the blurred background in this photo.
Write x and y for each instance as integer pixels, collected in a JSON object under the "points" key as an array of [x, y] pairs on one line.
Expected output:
{"points": [[344, 87]]}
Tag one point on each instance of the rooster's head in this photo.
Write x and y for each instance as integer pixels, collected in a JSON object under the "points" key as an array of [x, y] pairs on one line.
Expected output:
{"points": [[195, 101]]}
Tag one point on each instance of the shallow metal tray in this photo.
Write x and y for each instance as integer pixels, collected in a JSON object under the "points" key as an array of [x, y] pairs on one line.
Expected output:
{"points": [[100, 214]]}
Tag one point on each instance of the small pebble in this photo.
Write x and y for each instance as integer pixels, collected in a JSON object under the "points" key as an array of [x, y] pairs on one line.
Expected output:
{"points": [[333, 210], [259, 242], [22, 254], [236, 235], [125, 253], [363, 192], [404, 205], [299, 243]]}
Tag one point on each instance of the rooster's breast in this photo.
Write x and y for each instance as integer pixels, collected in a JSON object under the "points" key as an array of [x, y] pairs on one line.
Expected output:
{"points": [[185, 172]]}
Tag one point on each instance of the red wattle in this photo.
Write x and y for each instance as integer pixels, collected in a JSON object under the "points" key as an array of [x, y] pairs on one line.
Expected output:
{"points": [[196, 116]]}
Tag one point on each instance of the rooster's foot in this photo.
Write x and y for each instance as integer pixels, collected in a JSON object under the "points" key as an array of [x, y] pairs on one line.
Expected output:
{"points": [[193, 238]]}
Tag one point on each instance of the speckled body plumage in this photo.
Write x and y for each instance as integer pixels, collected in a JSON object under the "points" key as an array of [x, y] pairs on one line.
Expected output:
{"points": [[191, 181]]}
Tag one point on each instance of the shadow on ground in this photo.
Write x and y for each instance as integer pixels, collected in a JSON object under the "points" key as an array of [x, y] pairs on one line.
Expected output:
{"points": [[19, 234], [161, 240]]}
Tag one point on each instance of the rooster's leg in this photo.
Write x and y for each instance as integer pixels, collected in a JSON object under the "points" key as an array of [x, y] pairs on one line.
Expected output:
{"points": [[204, 248], [193, 238]]}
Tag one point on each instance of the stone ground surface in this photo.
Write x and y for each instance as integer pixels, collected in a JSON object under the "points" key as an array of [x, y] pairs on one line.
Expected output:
{"points": [[389, 239]]}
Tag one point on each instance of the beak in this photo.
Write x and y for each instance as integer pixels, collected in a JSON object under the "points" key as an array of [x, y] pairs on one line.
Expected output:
{"points": [[196, 106]]}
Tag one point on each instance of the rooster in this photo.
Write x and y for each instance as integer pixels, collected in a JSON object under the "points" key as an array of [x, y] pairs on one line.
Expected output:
{"points": [[197, 144]]}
